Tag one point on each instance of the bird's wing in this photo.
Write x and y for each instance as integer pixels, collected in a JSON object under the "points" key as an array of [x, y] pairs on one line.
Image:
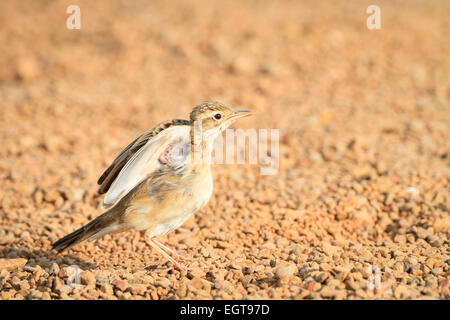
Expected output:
{"points": [[139, 159]]}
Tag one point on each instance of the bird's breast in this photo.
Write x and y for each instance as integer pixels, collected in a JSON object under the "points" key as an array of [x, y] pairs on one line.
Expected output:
{"points": [[199, 186], [183, 190], [174, 196]]}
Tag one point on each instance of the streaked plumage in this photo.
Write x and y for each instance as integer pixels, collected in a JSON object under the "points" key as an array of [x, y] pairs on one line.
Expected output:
{"points": [[113, 170], [153, 184]]}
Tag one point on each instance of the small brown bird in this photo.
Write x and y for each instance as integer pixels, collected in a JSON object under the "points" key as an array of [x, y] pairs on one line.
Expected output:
{"points": [[159, 180]]}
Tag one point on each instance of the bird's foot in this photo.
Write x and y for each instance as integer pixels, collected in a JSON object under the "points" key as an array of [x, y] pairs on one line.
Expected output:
{"points": [[168, 253], [172, 252], [183, 258]]}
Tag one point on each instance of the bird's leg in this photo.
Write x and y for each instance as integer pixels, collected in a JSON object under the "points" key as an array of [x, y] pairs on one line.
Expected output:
{"points": [[167, 256], [172, 252]]}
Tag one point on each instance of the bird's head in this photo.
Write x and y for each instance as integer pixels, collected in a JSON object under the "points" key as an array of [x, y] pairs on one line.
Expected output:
{"points": [[215, 117]]}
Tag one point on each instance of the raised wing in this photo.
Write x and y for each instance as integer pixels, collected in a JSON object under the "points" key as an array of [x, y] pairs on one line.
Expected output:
{"points": [[139, 159]]}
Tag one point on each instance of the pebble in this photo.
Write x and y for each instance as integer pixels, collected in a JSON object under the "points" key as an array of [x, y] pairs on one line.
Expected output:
{"points": [[285, 271], [106, 288], [121, 285], [87, 278], [12, 264], [137, 289], [101, 279]]}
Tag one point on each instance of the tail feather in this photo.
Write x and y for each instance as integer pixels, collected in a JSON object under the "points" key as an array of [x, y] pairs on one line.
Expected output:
{"points": [[89, 231]]}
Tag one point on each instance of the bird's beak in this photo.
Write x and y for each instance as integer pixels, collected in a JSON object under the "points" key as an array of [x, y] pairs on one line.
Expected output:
{"points": [[239, 114]]}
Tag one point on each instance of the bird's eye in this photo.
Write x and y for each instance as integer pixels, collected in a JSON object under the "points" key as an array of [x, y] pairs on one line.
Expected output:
{"points": [[217, 116]]}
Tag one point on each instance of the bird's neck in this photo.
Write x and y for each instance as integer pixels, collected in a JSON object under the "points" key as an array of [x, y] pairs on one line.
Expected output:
{"points": [[202, 145]]}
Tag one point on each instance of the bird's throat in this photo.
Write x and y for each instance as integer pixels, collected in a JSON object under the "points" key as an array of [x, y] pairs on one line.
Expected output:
{"points": [[202, 143]]}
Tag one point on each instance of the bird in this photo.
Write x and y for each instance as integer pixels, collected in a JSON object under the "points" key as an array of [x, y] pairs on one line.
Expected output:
{"points": [[159, 180]]}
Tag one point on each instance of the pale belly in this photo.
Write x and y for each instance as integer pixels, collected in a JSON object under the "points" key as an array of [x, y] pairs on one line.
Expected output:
{"points": [[168, 227], [172, 208]]}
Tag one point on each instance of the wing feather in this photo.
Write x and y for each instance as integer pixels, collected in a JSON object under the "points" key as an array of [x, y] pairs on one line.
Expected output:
{"points": [[141, 163], [110, 174], [107, 178]]}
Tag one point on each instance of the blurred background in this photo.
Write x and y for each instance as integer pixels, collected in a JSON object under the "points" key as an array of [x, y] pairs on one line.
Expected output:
{"points": [[363, 114]]}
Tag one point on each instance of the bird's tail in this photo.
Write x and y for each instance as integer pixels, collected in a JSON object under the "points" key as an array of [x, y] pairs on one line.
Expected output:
{"points": [[101, 225]]}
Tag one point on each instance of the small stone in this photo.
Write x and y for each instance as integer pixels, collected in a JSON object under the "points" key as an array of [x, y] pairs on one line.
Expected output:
{"points": [[285, 271], [54, 269], [87, 278], [46, 296], [52, 196], [125, 296], [181, 291], [322, 277], [362, 172], [59, 287], [414, 192], [363, 216], [422, 233], [196, 283], [6, 239], [341, 215], [137, 289], [442, 225], [327, 292], [223, 245], [411, 260], [197, 273], [27, 67], [107, 289], [121, 285], [430, 263], [164, 282], [35, 294], [77, 195], [350, 284], [282, 242], [101, 279], [314, 286], [436, 271], [402, 292], [5, 295], [12, 264], [330, 250]]}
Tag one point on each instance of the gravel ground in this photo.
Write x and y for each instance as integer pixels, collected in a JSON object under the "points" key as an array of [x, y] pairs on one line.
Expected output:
{"points": [[362, 195]]}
